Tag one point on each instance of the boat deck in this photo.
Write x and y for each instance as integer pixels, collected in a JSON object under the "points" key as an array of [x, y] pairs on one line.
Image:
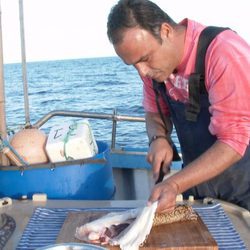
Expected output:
{"points": [[133, 185]]}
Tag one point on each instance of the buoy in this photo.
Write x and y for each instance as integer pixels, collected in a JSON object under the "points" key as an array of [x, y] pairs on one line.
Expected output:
{"points": [[30, 145]]}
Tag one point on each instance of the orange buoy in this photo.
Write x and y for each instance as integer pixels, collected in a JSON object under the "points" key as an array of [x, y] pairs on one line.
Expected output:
{"points": [[30, 145]]}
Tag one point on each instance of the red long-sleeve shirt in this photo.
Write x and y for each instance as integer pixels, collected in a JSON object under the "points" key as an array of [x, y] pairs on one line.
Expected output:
{"points": [[227, 82]]}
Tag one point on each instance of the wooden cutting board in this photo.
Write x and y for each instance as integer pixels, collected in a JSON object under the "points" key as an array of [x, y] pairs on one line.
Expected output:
{"points": [[180, 235]]}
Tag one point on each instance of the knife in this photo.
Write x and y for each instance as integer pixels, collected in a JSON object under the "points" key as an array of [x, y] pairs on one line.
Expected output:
{"points": [[161, 175]]}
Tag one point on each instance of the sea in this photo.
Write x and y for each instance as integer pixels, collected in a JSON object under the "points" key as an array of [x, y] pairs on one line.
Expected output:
{"points": [[101, 85]]}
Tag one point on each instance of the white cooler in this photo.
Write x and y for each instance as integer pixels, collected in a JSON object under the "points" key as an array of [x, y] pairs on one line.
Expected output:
{"points": [[71, 141]]}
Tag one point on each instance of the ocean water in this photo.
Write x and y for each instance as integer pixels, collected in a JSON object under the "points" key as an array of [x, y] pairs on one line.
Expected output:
{"points": [[90, 85]]}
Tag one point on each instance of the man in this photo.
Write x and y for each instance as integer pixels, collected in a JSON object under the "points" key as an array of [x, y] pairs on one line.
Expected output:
{"points": [[215, 147]]}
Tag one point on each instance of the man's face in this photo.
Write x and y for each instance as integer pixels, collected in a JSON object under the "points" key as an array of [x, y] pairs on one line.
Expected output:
{"points": [[150, 57]]}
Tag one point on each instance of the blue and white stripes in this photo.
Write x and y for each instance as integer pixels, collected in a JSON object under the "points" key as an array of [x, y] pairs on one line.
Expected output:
{"points": [[221, 227]]}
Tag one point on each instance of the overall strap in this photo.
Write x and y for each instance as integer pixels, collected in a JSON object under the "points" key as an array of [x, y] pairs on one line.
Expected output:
{"points": [[159, 88], [196, 85]]}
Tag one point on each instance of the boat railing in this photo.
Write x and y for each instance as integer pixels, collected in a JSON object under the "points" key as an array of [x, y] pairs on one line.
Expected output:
{"points": [[114, 117]]}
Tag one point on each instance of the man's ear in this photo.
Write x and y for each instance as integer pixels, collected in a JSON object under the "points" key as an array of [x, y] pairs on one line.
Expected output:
{"points": [[166, 31]]}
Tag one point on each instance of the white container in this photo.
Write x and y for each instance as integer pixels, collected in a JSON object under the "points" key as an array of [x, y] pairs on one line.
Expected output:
{"points": [[71, 141]]}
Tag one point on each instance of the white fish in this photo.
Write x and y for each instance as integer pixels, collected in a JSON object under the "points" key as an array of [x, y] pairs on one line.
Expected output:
{"points": [[136, 233], [94, 230], [130, 238], [129, 229]]}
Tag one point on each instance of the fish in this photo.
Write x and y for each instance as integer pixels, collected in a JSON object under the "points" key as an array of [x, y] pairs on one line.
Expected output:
{"points": [[95, 231], [130, 228]]}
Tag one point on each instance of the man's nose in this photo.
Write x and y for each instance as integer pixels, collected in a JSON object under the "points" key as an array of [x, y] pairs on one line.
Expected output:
{"points": [[142, 69]]}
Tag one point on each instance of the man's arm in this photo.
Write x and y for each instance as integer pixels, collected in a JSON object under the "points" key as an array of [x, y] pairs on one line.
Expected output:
{"points": [[160, 150], [211, 163], [155, 126]]}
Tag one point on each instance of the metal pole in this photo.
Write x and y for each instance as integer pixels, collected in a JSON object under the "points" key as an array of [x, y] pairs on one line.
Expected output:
{"points": [[113, 138], [3, 130], [68, 113], [24, 70]]}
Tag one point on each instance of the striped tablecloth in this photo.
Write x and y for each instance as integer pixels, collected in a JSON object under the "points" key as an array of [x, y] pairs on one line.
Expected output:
{"points": [[45, 224]]}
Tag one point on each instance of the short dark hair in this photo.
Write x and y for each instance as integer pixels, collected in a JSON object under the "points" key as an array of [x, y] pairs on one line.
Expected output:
{"points": [[131, 13]]}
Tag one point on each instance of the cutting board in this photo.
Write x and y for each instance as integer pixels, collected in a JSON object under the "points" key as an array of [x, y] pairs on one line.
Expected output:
{"points": [[179, 235]]}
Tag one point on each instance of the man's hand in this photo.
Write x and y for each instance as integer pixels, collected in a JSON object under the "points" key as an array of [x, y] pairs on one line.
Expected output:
{"points": [[165, 193], [160, 154]]}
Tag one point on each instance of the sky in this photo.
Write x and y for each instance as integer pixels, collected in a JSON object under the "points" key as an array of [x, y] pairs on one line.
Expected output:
{"points": [[68, 29]]}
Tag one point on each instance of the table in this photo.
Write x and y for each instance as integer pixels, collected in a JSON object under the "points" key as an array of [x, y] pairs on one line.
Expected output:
{"points": [[22, 210]]}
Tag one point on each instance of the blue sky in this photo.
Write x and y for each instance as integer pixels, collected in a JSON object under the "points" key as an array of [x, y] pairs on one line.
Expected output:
{"points": [[65, 29]]}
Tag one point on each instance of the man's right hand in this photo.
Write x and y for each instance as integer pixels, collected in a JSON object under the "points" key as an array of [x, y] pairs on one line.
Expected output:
{"points": [[160, 153]]}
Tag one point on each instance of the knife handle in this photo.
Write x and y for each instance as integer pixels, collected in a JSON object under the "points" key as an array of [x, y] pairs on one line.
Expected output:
{"points": [[161, 175]]}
